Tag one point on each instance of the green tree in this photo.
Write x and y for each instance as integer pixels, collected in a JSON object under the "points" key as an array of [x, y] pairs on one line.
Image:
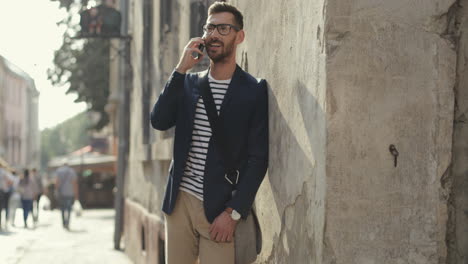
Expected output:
{"points": [[83, 66], [64, 138], [69, 3]]}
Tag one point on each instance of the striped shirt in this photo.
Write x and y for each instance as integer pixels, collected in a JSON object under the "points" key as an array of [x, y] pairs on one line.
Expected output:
{"points": [[192, 181]]}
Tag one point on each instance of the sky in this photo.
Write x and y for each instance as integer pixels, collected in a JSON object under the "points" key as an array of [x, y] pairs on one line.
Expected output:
{"points": [[29, 35]]}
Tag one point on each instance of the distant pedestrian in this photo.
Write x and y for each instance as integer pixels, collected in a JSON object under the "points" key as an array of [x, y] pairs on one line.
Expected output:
{"points": [[67, 189], [15, 199], [6, 180], [40, 190], [28, 191]]}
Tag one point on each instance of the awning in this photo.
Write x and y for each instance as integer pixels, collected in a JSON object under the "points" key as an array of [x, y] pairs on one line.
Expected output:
{"points": [[91, 160]]}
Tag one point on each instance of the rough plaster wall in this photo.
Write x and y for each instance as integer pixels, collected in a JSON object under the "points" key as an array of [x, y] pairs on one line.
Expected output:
{"points": [[390, 79], [146, 176], [458, 180], [183, 14], [135, 179], [139, 220], [284, 45]]}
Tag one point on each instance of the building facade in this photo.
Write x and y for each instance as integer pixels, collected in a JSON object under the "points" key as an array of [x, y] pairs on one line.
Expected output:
{"points": [[19, 121], [347, 80]]}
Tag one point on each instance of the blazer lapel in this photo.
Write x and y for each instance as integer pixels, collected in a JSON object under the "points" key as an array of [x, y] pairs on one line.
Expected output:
{"points": [[202, 76], [233, 89]]}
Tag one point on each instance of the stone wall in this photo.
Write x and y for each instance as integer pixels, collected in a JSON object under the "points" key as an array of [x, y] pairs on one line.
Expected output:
{"points": [[390, 79], [457, 179], [144, 236], [285, 45], [149, 158], [145, 177]]}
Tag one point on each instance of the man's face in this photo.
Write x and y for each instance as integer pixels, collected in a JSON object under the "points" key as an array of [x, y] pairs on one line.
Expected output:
{"points": [[109, 3], [219, 47]]}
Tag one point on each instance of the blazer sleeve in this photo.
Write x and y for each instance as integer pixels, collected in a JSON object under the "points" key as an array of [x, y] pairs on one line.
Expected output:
{"points": [[164, 113], [257, 162]]}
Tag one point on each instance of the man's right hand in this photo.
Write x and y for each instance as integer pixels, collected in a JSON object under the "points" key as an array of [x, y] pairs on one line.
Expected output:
{"points": [[187, 61]]}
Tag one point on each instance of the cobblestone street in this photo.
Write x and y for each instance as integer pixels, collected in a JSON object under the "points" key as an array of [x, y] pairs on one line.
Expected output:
{"points": [[90, 240]]}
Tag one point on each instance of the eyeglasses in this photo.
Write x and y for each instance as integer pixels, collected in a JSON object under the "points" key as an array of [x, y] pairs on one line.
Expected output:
{"points": [[223, 29]]}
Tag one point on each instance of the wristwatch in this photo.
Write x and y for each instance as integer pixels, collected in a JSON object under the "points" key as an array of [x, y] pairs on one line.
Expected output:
{"points": [[235, 215]]}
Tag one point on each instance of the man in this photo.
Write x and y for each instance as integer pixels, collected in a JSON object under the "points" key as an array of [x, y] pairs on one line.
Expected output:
{"points": [[6, 181], [15, 198], [201, 209], [36, 177], [66, 185], [28, 191]]}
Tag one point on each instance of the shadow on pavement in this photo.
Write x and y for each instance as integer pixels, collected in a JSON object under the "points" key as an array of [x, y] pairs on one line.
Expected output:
{"points": [[78, 231], [6, 233], [104, 217], [42, 225]]}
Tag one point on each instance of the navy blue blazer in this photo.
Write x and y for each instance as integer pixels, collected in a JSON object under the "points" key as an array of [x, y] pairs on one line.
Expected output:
{"points": [[244, 117]]}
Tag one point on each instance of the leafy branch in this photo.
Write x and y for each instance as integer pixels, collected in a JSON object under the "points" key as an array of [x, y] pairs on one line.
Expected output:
{"points": [[83, 66]]}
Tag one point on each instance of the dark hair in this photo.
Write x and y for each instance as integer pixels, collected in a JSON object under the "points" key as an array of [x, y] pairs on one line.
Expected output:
{"points": [[25, 176], [219, 7]]}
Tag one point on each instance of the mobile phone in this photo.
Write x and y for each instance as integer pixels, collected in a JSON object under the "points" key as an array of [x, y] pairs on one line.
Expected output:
{"points": [[201, 47]]}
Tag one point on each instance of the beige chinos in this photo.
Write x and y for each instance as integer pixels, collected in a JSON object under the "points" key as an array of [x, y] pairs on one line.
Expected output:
{"points": [[188, 235]]}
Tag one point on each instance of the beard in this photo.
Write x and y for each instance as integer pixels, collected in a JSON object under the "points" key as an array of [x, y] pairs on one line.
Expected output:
{"points": [[224, 51]]}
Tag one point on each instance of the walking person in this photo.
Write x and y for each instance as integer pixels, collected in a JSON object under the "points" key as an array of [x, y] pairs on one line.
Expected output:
{"points": [[28, 191], [66, 185], [9, 192], [223, 108], [35, 176], [15, 198], [6, 181]]}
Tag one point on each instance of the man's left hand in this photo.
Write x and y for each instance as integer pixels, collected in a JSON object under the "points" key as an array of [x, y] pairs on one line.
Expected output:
{"points": [[223, 227]]}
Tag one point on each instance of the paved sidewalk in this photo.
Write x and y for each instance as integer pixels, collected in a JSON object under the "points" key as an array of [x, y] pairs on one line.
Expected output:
{"points": [[90, 240]]}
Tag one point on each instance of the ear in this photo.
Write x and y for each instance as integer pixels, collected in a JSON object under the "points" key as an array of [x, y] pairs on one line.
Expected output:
{"points": [[240, 36]]}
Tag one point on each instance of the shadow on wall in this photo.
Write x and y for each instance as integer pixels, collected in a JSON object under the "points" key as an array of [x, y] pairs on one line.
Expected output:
{"points": [[156, 173], [292, 173]]}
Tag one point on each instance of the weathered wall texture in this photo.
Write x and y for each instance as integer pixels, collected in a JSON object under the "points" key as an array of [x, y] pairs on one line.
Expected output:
{"points": [[284, 44], [144, 183], [458, 178], [150, 157], [145, 178], [143, 244], [390, 80]]}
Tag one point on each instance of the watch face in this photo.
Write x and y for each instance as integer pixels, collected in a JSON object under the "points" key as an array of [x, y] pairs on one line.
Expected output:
{"points": [[235, 215]]}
